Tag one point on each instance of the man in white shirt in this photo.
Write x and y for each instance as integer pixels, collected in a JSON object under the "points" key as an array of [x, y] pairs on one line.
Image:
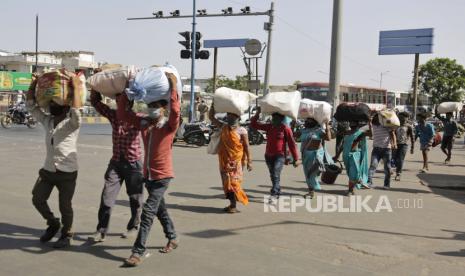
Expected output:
{"points": [[384, 141], [60, 167]]}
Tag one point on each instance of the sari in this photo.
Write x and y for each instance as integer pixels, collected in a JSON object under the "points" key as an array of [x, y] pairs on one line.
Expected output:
{"points": [[313, 161], [356, 162], [230, 155]]}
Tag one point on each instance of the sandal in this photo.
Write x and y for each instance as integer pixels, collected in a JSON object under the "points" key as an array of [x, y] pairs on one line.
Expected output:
{"points": [[133, 261], [170, 246], [230, 210]]}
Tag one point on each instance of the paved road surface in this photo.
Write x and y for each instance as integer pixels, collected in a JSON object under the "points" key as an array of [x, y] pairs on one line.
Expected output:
{"points": [[414, 241]]}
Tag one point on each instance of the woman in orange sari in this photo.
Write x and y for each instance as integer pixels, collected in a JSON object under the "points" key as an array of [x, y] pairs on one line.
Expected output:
{"points": [[233, 154]]}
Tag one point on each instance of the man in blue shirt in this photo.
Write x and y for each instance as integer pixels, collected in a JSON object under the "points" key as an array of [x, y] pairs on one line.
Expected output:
{"points": [[425, 131]]}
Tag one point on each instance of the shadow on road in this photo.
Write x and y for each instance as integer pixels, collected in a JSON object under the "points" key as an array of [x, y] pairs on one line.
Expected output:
{"points": [[446, 185], [218, 233], [16, 237], [460, 253]]}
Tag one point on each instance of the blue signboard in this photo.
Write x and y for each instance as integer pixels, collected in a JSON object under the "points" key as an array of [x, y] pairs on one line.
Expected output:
{"points": [[398, 42], [224, 43]]}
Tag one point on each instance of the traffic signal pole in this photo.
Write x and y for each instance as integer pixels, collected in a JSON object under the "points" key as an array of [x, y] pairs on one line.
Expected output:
{"points": [[334, 73], [226, 13], [193, 113]]}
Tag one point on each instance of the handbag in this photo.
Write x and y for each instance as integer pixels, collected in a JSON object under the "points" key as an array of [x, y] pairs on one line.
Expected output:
{"points": [[437, 139], [215, 139]]}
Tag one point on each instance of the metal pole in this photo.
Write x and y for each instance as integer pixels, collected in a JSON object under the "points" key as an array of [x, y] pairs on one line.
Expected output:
{"points": [[333, 95], [194, 40], [215, 56], [381, 80], [37, 43], [415, 86], [269, 28], [256, 78]]}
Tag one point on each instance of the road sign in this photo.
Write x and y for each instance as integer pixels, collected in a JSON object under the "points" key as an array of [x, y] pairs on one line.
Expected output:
{"points": [[253, 84], [399, 42], [225, 43], [253, 47]]}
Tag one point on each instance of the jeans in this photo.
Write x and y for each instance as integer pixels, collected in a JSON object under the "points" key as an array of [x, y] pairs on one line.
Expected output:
{"points": [[66, 184], [117, 172], [376, 155], [399, 157], [154, 206], [275, 166]]}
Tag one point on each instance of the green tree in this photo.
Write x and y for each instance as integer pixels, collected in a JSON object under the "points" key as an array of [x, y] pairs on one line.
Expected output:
{"points": [[240, 83], [443, 79]]}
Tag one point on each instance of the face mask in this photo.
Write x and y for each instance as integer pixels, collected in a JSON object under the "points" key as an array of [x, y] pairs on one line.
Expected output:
{"points": [[154, 113], [56, 110], [276, 121]]}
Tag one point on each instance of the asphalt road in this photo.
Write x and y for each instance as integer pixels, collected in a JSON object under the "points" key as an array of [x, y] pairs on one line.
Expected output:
{"points": [[407, 241]]}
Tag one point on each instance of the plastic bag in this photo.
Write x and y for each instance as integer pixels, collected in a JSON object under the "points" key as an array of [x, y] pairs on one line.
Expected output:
{"points": [[151, 84], [54, 86], [388, 118]]}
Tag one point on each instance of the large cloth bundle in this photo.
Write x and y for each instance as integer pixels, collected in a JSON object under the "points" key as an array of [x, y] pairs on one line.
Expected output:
{"points": [[388, 118], [59, 86], [284, 103], [318, 110], [447, 107], [232, 101], [112, 81], [358, 112], [151, 84]]}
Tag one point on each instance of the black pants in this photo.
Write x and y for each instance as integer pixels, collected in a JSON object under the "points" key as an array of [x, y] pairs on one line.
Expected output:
{"points": [[117, 172], [154, 206], [65, 183]]}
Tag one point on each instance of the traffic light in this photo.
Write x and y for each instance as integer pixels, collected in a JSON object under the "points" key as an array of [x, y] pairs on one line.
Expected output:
{"points": [[187, 43], [187, 40]]}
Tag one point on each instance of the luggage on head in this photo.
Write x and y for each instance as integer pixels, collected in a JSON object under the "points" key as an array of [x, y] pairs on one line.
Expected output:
{"points": [[388, 118], [318, 110], [357, 112], [227, 100], [151, 84], [447, 107], [284, 103], [59, 86], [111, 81]]}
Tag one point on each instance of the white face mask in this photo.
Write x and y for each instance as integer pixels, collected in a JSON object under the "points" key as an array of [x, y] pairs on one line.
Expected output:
{"points": [[154, 113]]}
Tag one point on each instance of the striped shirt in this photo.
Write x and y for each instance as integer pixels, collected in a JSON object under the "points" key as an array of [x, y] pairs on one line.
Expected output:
{"points": [[381, 137]]}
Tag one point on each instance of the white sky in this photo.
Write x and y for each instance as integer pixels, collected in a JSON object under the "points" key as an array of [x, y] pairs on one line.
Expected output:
{"points": [[301, 40]]}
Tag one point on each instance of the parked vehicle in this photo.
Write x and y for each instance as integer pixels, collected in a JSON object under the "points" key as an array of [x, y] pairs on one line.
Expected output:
{"points": [[193, 133], [17, 115]]}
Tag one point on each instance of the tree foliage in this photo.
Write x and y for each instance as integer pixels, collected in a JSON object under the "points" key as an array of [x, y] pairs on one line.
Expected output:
{"points": [[443, 79], [240, 83]]}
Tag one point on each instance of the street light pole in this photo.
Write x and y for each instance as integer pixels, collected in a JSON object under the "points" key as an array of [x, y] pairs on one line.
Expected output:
{"points": [[37, 43], [333, 95], [269, 28], [381, 78]]}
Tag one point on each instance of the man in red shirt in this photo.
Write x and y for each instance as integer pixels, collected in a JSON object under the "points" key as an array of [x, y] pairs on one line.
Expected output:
{"points": [[157, 133], [279, 137], [125, 165]]}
